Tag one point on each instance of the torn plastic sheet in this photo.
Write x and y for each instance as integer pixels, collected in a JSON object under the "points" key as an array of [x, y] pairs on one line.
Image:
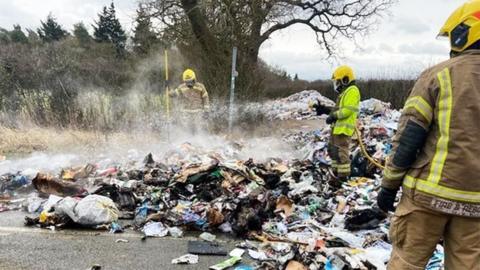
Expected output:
{"points": [[237, 252], [207, 237], [350, 238], [175, 232], [186, 259], [155, 229], [257, 255]]}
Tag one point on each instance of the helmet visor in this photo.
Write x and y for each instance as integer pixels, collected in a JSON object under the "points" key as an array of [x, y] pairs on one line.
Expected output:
{"points": [[442, 36]]}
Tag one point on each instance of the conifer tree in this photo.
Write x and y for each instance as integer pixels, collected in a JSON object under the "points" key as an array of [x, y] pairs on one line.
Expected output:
{"points": [[144, 38], [81, 34], [17, 35], [51, 30], [108, 29], [102, 27]]}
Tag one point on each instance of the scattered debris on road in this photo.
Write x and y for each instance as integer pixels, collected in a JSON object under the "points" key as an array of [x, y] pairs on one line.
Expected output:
{"points": [[285, 210]]}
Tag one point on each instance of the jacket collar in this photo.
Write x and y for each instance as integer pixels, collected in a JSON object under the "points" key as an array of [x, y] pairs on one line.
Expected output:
{"points": [[468, 52]]}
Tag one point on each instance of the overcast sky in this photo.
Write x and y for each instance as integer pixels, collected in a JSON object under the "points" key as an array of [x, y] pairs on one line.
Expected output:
{"points": [[403, 44]]}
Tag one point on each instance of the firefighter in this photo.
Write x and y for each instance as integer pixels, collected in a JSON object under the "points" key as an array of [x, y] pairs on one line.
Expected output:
{"points": [[192, 101], [343, 119], [436, 155]]}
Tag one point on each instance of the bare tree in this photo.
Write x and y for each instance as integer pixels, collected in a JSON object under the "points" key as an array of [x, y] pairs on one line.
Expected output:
{"points": [[214, 26]]}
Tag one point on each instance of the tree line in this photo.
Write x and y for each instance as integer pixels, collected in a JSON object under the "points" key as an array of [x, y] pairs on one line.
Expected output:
{"points": [[205, 31], [106, 29], [51, 65]]}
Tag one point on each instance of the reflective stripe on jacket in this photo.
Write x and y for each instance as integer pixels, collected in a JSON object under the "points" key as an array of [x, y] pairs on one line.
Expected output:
{"points": [[442, 171], [192, 99], [346, 111]]}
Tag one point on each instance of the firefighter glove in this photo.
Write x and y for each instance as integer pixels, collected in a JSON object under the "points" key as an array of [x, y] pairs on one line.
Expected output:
{"points": [[331, 118], [386, 199]]}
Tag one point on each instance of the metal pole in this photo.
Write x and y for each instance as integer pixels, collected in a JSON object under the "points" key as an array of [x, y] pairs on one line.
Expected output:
{"points": [[167, 95], [167, 98], [232, 89]]}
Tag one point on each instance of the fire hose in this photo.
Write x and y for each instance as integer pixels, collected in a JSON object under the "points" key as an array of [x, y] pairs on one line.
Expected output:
{"points": [[364, 150]]}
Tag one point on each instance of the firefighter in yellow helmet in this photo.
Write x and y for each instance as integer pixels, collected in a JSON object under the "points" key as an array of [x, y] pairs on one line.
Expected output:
{"points": [[192, 95], [343, 119], [192, 100], [436, 155]]}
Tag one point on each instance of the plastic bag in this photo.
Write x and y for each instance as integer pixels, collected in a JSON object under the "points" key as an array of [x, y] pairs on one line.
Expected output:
{"points": [[66, 206], [156, 229], [95, 210]]}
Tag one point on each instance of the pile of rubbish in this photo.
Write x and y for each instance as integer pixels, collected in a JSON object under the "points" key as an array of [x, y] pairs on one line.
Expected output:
{"points": [[286, 213], [295, 106], [288, 207]]}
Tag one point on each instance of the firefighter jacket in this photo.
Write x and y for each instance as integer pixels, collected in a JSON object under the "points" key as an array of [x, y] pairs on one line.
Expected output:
{"points": [[192, 99], [436, 151], [346, 111]]}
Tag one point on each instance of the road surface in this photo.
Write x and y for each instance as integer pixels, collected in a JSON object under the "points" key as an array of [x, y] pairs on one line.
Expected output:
{"points": [[33, 248]]}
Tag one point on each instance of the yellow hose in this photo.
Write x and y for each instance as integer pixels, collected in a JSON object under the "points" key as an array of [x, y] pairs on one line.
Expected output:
{"points": [[364, 151]]}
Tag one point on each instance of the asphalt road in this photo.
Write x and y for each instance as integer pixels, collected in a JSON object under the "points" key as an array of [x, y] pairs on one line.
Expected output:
{"points": [[32, 248]]}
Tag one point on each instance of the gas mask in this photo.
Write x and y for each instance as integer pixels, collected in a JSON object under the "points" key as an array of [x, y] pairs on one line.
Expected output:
{"points": [[337, 86], [190, 83]]}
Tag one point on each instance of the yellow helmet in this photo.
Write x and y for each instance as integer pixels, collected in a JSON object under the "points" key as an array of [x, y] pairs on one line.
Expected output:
{"points": [[343, 75], [189, 75], [463, 26]]}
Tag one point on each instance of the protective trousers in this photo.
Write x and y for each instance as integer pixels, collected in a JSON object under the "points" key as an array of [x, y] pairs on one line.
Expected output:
{"points": [[415, 232], [191, 123], [339, 152]]}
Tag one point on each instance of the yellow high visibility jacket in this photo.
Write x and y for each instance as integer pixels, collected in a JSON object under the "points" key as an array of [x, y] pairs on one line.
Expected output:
{"points": [[436, 152], [346, 111]]}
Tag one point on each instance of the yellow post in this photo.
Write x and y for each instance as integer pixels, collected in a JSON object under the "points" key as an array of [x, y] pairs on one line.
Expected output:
{"points": [[167, 90]]}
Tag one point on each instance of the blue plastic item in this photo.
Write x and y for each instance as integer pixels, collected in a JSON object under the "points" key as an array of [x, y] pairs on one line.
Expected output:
{"points": [[20, 180], [437, 261], [329, 265], [115, 228], [244, 267]]}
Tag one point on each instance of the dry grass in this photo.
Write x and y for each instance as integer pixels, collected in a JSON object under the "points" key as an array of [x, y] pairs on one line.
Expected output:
{"points": [[22, 141], [28, 140]]}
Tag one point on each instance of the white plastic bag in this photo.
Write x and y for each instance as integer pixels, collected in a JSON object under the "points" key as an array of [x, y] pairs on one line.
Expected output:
{"points": [[66, 206], [95, 210]]}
